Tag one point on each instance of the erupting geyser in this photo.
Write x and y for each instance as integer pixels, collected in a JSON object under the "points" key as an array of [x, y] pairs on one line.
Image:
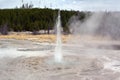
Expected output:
{"points": [[58, 52]]}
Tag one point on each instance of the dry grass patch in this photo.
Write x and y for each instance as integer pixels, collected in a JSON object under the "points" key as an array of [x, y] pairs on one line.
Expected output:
{"points": [[40, 38]]}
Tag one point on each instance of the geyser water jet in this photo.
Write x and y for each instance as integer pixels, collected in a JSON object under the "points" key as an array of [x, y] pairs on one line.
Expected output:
{"points": [[58, 49]]}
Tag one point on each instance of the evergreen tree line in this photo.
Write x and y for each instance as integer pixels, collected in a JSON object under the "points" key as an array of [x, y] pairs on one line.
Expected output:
{"points": [[34, 19]]}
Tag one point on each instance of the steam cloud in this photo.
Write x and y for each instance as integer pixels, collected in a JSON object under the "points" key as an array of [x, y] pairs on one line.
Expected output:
{"points": [[106, 24]]}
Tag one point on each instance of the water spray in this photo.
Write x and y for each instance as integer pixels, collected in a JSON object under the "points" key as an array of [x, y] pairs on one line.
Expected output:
{"points": [[58, 49]]}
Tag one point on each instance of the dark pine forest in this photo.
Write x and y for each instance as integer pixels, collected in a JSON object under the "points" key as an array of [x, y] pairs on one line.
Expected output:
{"points": [[34, 19]]}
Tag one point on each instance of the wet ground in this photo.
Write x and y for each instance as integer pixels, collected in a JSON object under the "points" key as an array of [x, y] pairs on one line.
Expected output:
{"points": [[26, 60]]}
